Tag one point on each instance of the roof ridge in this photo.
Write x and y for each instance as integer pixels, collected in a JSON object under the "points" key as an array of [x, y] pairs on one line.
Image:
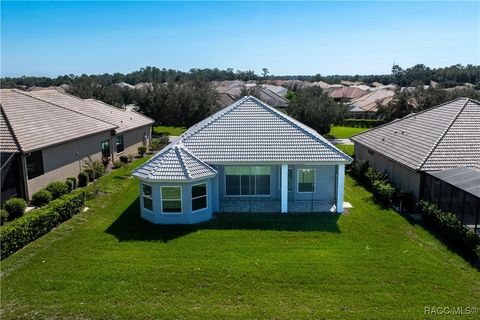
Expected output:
{"points": [[62, 107], [443, 134], [408, 116], [10, 128], [301, 126], [178, 152]]}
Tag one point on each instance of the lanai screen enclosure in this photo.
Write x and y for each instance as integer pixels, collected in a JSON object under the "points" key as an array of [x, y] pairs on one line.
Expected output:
{"points": [[248, 157]]}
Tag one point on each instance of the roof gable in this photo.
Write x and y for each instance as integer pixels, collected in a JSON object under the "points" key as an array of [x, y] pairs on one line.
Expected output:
{"points": [[251, 131], [438, 138]]}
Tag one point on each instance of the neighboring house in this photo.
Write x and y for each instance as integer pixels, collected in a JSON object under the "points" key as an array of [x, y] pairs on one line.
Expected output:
{"points": [[46, 135], [281, 91], [366, 106], [248, 157], [271, 98], [346, 94], [423, 149], [226, 99]]}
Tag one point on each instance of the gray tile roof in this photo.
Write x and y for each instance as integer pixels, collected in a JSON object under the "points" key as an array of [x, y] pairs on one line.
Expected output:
{"points": [[37, 124], [439, 138], [250, 131], [174, 163], [124, 120], [467, 179]]}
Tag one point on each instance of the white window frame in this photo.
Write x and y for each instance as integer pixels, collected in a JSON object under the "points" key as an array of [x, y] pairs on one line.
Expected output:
{"points": [[314, 180], [161, 200], [255, 184], [145, 196], [206, 195]]}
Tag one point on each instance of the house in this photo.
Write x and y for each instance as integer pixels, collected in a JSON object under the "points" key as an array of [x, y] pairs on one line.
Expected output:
{"points": [[346, 94], [226, 99], [46, 135], [248, 157], [433, 154], [366, 106]]}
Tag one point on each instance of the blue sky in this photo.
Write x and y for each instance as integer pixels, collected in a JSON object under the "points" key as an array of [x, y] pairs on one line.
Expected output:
{"points": [[287, 38]]}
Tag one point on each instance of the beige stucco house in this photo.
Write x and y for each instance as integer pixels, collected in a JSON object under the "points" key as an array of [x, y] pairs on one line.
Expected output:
{"points": [[423, 151], [46, 135]]}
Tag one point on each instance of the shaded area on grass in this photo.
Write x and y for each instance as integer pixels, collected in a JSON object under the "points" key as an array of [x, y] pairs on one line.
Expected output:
{"points": [[130, 225]]}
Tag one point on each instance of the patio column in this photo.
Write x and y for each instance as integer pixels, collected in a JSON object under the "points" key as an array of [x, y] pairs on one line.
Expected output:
{"points": [[340, 186], [284, 188]]}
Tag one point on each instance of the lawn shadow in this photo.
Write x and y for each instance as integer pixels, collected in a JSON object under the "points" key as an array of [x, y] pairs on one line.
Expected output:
{"points": [[130, 226]]}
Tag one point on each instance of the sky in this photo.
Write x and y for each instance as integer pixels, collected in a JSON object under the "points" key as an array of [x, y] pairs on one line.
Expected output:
{"points": [[288, 38]]}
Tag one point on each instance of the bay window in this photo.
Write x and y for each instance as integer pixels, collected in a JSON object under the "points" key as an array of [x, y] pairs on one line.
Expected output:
{"points": [[171, 199], [199, 196]]}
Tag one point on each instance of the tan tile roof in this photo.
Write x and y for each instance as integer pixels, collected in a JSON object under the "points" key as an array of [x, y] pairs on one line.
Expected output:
{"points": [[8, 143], [36, 124], [124, 120], [439, 138]]}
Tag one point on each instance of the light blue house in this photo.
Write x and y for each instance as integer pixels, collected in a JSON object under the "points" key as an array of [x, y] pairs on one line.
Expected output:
{"points": [[248, 157]]}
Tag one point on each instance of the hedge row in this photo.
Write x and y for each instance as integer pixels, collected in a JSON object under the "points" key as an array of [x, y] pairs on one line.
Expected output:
{"points": [[375, 181], [18, 233], [361, 123], [448, 227]]}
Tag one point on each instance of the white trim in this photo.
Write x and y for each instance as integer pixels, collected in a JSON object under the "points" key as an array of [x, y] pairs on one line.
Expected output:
{"points": [[284, 188], [280, 178], [145, 196], [206, 196], [340, 187], [314, 180], [161, 200]]}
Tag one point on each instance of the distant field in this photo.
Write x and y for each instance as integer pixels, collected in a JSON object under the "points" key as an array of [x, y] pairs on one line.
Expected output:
{"points": [[347, 148], [171, 131], [339, 132]]}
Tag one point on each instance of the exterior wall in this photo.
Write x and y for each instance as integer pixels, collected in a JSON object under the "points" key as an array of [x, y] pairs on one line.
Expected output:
{"points": [[403, 178], [187, 216], [65, 160], [325, 184], [132, 139]]}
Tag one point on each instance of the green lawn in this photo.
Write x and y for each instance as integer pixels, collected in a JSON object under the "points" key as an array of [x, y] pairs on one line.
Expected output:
{"points": [[347, 148], [339, 132], [108, 263], [171, 131]]}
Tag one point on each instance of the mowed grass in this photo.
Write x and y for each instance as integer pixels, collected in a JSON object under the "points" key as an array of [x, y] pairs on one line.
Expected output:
{"points": [[107, 263], [348, 149], [339, 132], [171, 131]]}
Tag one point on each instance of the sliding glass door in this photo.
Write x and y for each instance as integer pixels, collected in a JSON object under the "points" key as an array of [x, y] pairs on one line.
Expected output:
{"points": [[247, 181]]}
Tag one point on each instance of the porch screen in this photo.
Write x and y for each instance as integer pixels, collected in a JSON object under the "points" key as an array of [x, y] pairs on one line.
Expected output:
{"points": [[247, 181], [306, 180]]}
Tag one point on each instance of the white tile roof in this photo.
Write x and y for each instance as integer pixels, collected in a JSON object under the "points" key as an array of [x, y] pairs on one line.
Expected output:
{"points": [[250, 131], [174, 163], [439, 138]]}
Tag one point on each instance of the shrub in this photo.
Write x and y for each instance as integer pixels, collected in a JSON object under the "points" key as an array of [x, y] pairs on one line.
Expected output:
{"points": [[83, 179], [130, 157], [70, 185], [383, 191], [123, 158], [118, 164], [57, 189], [373, 175], [41, 198], [89, 167], [15, 207], [448, 227], [3, 216], [159, 143], [142, 150], [98, 169], [74, 180], [38, 222], [358, 170]]}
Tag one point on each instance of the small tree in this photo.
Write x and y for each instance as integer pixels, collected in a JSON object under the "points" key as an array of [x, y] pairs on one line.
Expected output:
{"points": [[15, 207]]}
